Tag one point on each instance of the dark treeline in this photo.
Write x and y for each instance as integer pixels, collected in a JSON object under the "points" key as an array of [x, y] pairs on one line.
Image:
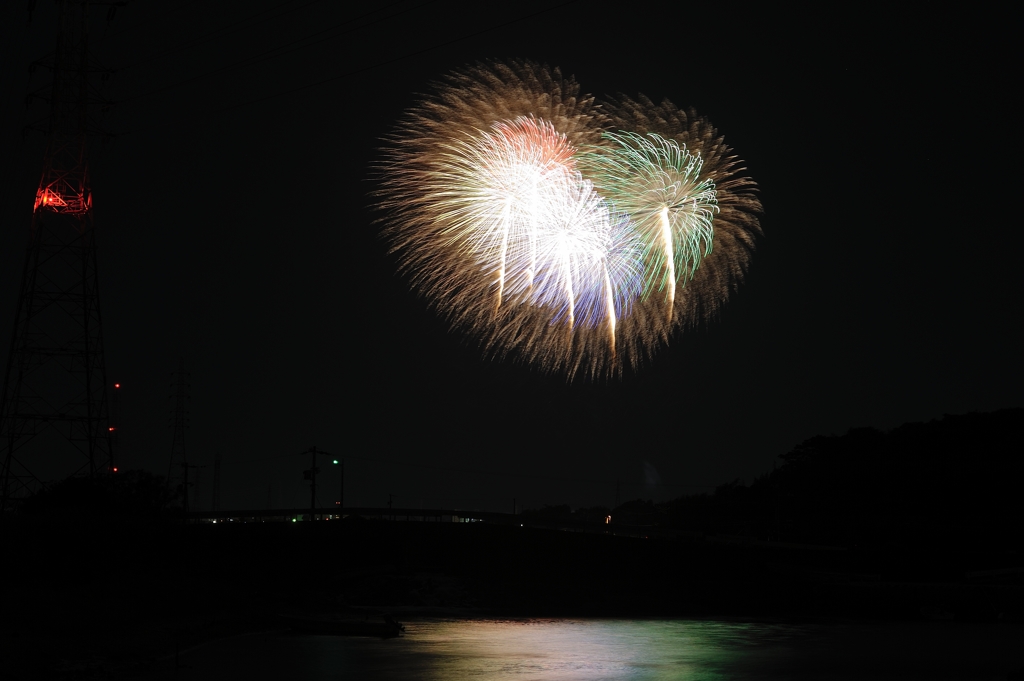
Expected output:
{"points": [[956, 480], [129, 495], [951, 480]]}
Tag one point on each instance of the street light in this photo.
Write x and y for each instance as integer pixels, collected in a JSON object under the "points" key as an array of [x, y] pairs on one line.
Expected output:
{"points": [[341, 494], [311, 476]]}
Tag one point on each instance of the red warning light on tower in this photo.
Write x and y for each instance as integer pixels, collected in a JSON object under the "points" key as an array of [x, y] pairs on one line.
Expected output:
{"points": [[117, 385], [59, 196], [46, 197]]}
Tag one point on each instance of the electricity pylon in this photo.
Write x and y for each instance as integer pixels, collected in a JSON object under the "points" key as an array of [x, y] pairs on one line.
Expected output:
{"points": [[53, 412]]}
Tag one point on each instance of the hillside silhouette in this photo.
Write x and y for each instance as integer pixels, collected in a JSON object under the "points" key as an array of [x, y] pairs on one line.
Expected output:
{"points": [[952, 480]]}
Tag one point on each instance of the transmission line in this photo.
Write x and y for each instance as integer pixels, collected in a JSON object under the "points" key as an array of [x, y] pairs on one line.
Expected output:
{"points": [[356, 72], [269, 54], [389, 62], [220, 32]]}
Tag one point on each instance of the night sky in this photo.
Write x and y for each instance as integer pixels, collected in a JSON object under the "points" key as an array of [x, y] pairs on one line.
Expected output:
{"points": [[236, 229]]}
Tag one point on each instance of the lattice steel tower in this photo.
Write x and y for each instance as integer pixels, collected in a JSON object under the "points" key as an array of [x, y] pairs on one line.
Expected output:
{"points": [[53, 412]]}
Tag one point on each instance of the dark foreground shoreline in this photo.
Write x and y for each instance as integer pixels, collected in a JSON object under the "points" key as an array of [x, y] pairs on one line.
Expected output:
{"points": [[107, 600]]}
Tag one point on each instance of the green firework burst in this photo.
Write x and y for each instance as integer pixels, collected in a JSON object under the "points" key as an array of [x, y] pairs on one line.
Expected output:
{"points": [[659, 184]]}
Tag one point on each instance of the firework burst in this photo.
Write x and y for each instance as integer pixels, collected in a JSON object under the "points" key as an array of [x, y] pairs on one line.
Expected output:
{"points": [[714, 276], [658, 183], [537, 231], [568, 235]]}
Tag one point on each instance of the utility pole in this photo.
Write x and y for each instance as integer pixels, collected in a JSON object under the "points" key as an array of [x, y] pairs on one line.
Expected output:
{"points": [[179, 459], [54, 419], [341, 492], [312, 483], [196, 488], [215, 503], [184, 497], [185, 486], [115, 429], [311, 476]]}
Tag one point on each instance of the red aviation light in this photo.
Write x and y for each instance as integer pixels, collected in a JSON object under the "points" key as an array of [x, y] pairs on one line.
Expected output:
{"points": [[117, 385], [47, 197], [58, 201], [115, 469]]}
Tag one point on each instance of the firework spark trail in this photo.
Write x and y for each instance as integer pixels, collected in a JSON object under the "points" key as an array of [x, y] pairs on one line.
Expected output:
{"points": [[734, 223], [659, 184], [529, 224], [669, 256], [506, 181], [522, 211]]}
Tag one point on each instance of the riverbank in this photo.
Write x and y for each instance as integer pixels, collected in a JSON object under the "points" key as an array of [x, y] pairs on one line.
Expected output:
{"points": [[103, 601]]}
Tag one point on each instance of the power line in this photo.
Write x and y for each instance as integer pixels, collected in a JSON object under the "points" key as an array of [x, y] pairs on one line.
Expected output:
{"points": [[176, 6], [473, 471], [395, 60], [266, 458], [270, 54], [531, 476], [220, 32], [372, 67]]}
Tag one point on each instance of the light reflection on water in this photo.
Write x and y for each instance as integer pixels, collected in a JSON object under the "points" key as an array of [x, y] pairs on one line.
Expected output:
{"points": [[591, 649], [633, 650]]}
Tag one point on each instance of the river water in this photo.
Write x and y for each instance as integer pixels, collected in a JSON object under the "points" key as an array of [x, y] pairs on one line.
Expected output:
{"points": [[640, 650]]}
